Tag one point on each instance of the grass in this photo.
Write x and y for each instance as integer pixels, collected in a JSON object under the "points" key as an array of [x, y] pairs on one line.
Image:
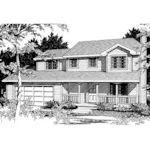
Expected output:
{"points": [[121, 118]]}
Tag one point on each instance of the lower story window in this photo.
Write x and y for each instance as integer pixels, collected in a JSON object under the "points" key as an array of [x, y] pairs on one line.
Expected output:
{"points": [[122, 89]]}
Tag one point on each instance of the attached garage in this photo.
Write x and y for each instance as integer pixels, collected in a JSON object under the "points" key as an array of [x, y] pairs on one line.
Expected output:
{"points": [[37, 94]]}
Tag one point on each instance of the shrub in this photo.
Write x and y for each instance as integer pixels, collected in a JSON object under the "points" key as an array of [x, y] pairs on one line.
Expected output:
{"points": [[61, 114], [3, 101], [51, 104], [68, 105], [139, 107], [123, 109], [142, 109], [105, 106]]}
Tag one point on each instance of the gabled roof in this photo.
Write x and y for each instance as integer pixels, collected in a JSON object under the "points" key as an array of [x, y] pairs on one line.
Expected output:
{"points": [[56, 53], [95, 48], [77, 76]]}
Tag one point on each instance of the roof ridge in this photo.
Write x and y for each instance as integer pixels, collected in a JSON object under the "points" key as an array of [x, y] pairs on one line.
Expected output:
{"points": [[108, 39]]}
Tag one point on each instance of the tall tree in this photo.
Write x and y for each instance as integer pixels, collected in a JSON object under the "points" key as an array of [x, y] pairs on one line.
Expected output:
{"points": [[51, 42], [132, 33], [14, 34]]}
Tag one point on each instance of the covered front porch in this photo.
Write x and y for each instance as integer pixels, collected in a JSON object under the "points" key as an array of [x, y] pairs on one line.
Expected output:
{"points": [[116, 93]]}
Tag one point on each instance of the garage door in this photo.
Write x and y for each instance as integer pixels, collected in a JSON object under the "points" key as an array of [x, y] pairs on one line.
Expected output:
{"points": [[39, 95]]}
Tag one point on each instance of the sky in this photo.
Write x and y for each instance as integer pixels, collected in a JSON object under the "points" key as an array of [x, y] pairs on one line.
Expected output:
{"points": [[86, 19]]}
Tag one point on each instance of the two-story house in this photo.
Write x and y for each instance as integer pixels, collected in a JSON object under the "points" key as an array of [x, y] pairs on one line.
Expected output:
{"points": [[89, 72]]}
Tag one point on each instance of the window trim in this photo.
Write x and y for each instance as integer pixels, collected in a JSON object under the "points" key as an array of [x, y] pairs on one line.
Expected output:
{"points": [[52, 65], [126, 67], [69, 61], [95, 60]]}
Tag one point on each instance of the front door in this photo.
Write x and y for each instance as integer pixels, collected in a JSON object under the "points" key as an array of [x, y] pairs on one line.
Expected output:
{"points": [[92, 93]]}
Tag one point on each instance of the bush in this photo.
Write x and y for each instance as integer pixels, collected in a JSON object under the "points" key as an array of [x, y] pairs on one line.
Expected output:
{"points": [[61, 114], [3, 101], [68, 105], [142, 109], [51, 104], [123, 109], [105, 106]]}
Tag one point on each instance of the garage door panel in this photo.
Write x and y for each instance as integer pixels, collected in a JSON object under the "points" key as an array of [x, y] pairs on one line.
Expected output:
{"points": [[48, 89], [37, 98], [28, 88], [30, 98], [28, 93], [38, 88], [38, 103], [48, 94], [48, 99], [38, 93]]}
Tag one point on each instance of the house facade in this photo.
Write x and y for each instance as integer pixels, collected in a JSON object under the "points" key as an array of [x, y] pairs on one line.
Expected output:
{"points": [[90, 72]]}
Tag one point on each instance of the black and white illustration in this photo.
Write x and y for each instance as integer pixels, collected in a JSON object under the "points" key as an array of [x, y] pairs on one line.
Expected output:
{"points": [[92, 77], [75, 75]]}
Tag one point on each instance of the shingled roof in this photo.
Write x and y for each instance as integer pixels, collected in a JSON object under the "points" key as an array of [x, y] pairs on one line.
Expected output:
{"points": [[99, 46], [56, 53], [77, 76]]}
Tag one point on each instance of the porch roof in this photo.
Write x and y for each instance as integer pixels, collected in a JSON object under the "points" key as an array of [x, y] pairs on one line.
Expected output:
{"points": [[77, 76]]}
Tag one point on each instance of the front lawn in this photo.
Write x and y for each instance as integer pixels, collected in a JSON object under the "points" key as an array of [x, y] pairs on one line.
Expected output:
{"points": [[118, 118]]}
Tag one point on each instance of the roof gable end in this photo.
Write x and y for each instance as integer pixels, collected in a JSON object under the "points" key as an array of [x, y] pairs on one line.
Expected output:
{"points": [[132, 52]]}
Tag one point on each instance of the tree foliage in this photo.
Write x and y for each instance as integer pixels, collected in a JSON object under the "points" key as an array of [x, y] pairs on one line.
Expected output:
{"points": [[132, 33], [14, 34], [51, 42]]}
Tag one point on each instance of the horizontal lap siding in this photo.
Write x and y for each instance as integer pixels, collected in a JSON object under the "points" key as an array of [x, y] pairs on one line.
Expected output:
{"points": [[135, 64], [103, 64], [40, 65], [57, 92], [10, 91], [84, 66]]}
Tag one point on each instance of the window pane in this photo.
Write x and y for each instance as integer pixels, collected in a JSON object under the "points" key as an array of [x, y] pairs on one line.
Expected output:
{"points": [[73, 62], [52, 64], [112, 89], [92, 62], [118, 62]]}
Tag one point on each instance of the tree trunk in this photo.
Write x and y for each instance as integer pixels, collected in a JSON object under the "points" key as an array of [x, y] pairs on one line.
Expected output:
{"points": [[19, 87], [143, 72]]}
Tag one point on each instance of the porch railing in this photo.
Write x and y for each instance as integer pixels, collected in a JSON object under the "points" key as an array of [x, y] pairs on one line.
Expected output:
{"points": [[126, 99], [106, 99], [114, 99], [71, 97]]}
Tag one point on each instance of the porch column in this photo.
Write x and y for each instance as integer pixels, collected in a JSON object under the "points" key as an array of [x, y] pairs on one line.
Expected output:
{"points": [[137, 93], [97, 91], [143, 71], [61, 91], [79, 92], [68, 87], [116, 93]]}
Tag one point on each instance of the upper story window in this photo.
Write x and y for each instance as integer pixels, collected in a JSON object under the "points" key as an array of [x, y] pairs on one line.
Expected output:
{"points": [[92, 62], [73, 63], [52, 64], [118, 61]]}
